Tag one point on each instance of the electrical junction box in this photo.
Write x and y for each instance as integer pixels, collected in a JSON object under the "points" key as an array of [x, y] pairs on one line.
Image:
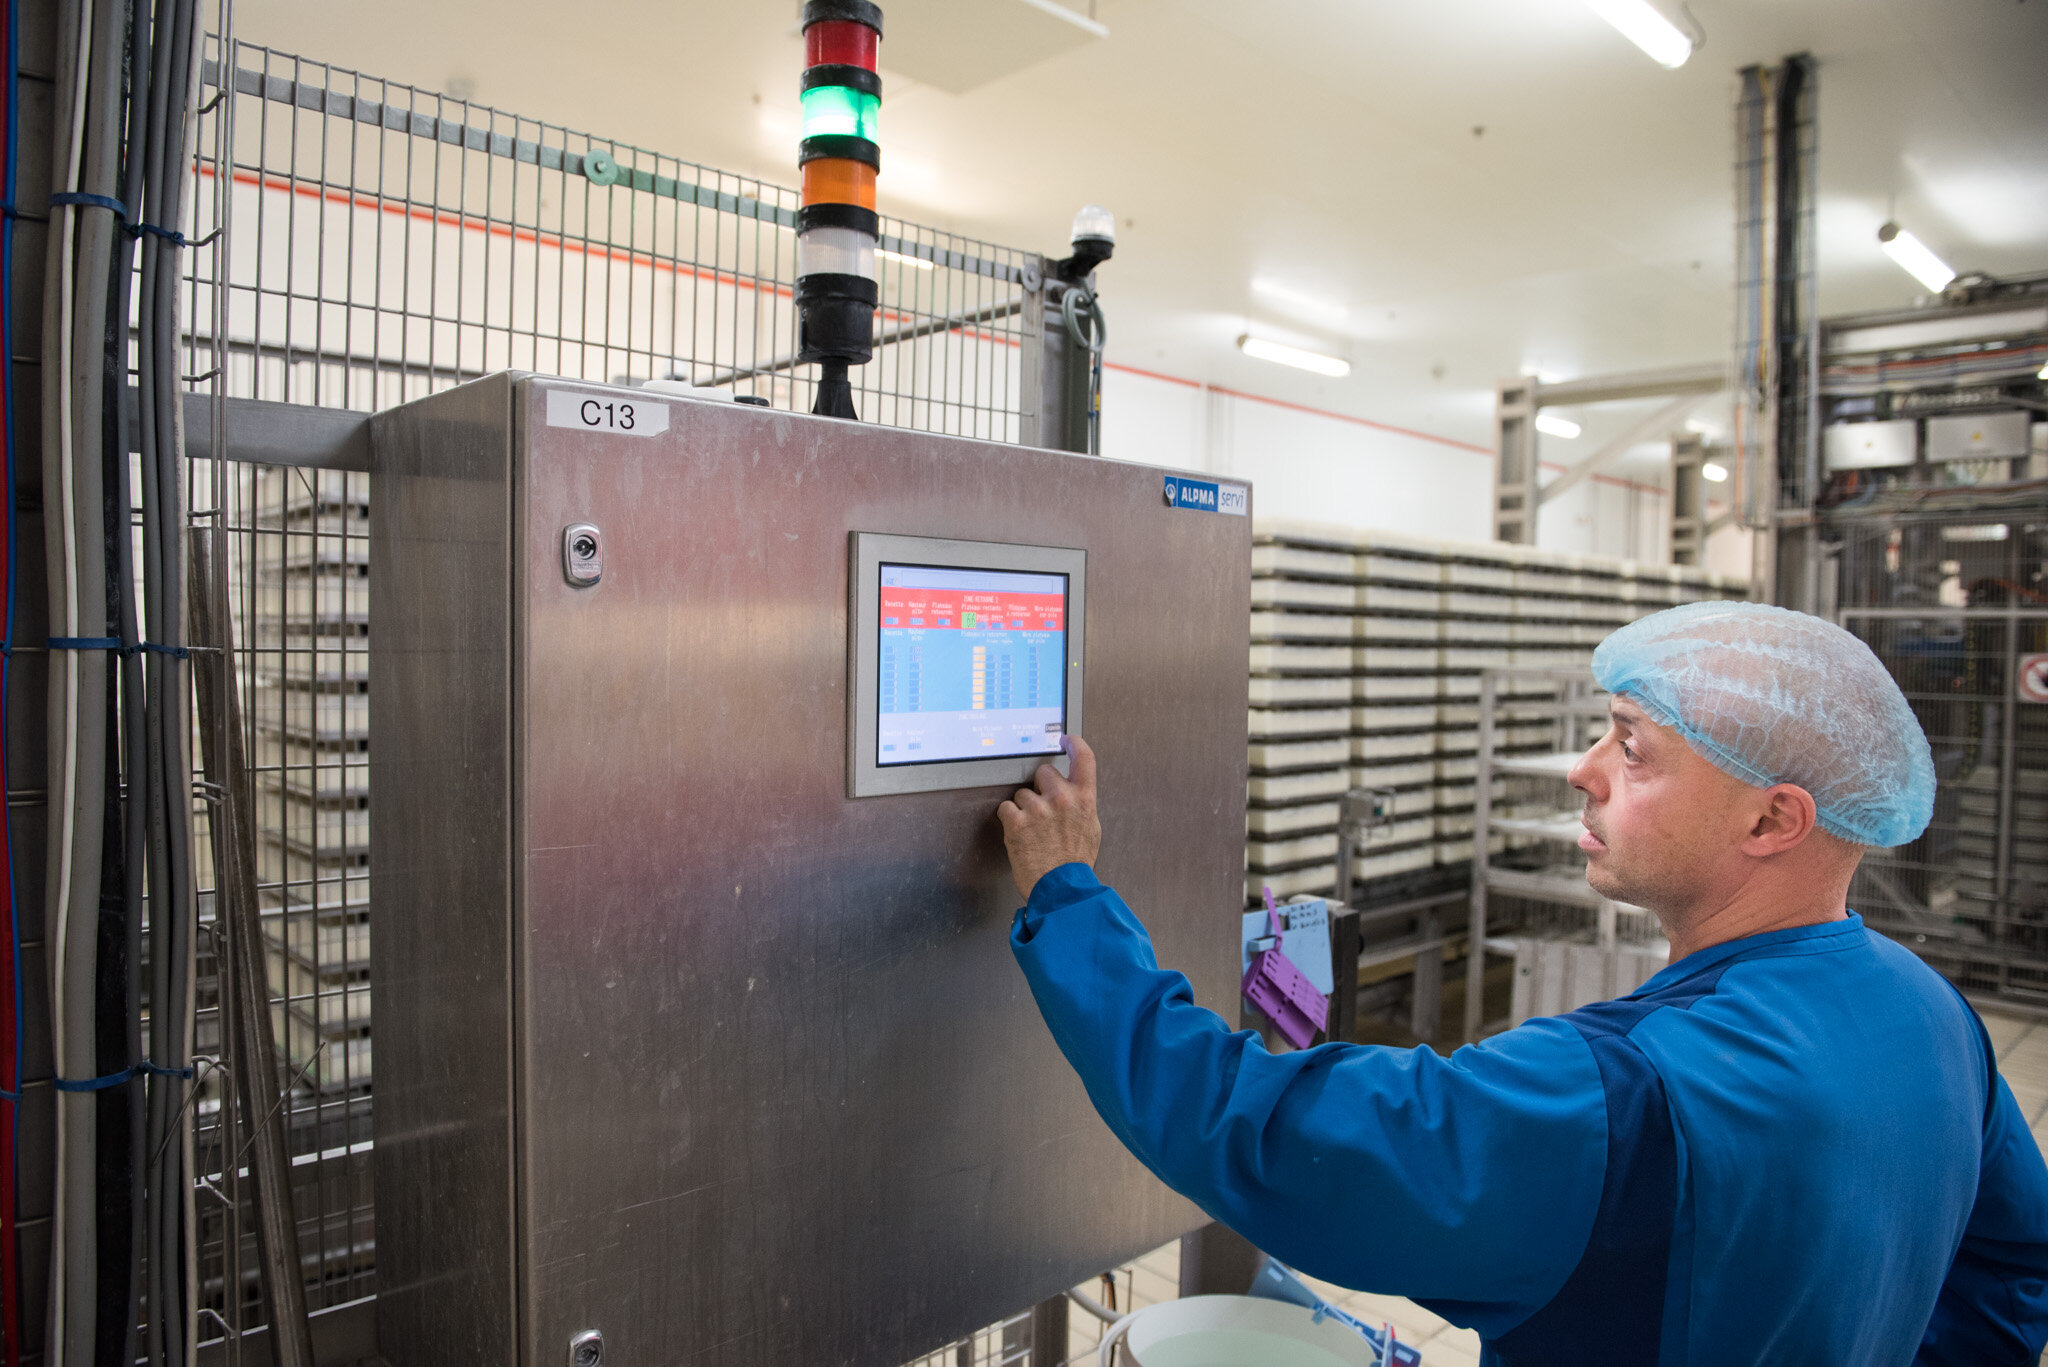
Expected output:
{"points": [[1869, 445], [1979, 436], [694, 1045]]}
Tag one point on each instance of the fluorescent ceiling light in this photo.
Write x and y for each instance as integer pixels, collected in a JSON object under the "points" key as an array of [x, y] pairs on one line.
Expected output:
{"points": [[903, 259], [1714, 472], [1641, 24], [1914, 257], [2042, 373], [1550, 424], [1279, 352]]}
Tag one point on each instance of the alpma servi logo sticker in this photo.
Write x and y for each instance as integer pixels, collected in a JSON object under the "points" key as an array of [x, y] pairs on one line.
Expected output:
{"points": [[1207, 496]]}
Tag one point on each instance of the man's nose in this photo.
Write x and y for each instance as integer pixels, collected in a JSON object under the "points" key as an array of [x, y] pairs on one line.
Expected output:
{"points": [[1586, 776]]}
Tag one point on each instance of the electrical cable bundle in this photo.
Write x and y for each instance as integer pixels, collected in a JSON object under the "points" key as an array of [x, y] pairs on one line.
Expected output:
{"points": [[79, 270], [119, 786], [11, 1012], [166, 714]]}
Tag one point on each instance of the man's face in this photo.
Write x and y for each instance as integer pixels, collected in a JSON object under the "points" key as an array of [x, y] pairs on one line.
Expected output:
{"points": [[1663, 826]]}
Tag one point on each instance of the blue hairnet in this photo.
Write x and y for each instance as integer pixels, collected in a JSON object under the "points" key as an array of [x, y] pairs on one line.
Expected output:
{"points": [[1774, 696]]}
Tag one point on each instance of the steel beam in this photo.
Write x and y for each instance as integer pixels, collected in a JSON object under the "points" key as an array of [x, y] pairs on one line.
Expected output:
{"points": [[265, 433], [1641, 430], [1641, 384], [1515, 470]]}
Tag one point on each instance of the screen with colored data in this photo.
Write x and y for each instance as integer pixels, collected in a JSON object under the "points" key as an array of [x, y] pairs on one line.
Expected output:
{"points": [[971, 664]]}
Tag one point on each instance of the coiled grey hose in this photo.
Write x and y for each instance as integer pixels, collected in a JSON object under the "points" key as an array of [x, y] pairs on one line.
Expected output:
{"points": [[1077, 304]]}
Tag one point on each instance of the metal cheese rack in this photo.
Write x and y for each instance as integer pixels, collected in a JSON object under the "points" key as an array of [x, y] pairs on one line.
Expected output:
{"points": [[1368, 652]]}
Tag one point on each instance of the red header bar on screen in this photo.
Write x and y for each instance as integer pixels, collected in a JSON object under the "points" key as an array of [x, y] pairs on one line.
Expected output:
{"points": [[991, 610]]}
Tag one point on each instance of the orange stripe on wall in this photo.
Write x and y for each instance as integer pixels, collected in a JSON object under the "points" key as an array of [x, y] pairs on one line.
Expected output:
{"points": [[1365, 422]]}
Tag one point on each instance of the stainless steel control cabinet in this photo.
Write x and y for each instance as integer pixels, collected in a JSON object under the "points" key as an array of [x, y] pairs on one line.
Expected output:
{"points": [[679, 1045]]}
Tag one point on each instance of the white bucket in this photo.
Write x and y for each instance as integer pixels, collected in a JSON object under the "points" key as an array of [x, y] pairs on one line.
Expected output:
{"points": [[1237, 1331]]}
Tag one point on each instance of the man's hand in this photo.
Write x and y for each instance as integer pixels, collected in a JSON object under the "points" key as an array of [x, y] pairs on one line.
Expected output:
{"points": [[1055, 823]]}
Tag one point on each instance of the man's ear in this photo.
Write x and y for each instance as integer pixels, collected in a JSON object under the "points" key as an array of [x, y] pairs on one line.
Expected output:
{"points": [[1786, 817]]}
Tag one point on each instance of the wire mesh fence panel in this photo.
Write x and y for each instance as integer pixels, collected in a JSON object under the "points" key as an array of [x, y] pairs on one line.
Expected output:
{"points": [[383, 242], [1957, 607], [356, 244]]}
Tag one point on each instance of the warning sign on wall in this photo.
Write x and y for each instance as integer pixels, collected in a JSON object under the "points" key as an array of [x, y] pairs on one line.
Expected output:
{"points": [[2034, 678]]}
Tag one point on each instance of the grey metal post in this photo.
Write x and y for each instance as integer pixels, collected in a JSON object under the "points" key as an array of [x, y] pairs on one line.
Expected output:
{"points": [[1688, 499], [1482, 816], [1426, 994], [1516, 493], [1343, 1022], [1049, 1332], [1216, 1260], [1034, 422], [2008, 758], [1063, 373], [1353, 813]]}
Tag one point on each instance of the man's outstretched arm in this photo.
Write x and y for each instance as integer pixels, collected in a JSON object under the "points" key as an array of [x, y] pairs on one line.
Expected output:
{"points": [[1473, 1179], [1993, 1310]]}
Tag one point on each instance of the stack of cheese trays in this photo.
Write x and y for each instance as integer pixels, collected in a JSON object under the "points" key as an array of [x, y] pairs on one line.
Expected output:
{"points": [[1366, 651], [307, 637]]}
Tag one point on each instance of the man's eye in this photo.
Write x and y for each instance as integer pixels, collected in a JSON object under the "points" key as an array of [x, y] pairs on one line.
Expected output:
{"points": [[1626, 751]]}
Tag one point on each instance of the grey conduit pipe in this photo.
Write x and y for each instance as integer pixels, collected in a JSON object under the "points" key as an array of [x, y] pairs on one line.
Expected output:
{"points": [[167, 684], [73, 50], [87, 144]]}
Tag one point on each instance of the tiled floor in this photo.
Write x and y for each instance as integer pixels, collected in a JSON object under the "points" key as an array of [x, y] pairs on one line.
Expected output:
{"points": [[2022, 1047]]}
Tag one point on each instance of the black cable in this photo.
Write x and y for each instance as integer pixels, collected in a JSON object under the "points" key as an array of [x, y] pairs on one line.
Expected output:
{"points": [[167, 793], [164, 1200], [133, 752]]}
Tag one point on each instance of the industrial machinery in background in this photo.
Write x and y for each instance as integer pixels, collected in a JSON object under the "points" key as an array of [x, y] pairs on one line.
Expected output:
{"points": [[1891, 470], [1931, 509]]}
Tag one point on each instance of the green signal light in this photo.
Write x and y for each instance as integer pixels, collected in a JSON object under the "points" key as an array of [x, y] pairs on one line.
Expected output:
{"points": [[836, 111]]}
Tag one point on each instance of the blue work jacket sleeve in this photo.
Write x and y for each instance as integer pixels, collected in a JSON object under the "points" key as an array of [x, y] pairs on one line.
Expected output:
{"points": [[1993, 1309], [1474, 1178]]}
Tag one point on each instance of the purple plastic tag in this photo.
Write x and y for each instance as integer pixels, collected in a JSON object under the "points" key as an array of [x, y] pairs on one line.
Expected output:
{"points": [[1282, 992]]}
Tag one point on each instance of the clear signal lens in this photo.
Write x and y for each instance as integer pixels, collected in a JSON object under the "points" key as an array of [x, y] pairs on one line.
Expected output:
{"points": [[836, 251], [1094, 221]]}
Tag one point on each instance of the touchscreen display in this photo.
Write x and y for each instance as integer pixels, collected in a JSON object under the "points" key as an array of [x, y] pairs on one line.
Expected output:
{"points": [[972, 664]]}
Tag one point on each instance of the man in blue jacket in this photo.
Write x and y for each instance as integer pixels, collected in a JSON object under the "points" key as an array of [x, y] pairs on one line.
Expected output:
{"points": [[1790, 1146]]}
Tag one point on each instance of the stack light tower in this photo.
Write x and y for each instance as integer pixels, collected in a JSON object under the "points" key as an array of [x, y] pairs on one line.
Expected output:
{"points": [[837, 227]]}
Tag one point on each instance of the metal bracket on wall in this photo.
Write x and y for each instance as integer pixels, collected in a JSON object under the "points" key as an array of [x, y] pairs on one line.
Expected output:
{"points": [[266, 433], [1641, 430]]}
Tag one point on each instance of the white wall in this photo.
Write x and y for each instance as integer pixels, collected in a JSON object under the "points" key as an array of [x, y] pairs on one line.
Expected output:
{"points": [[1327, 467], [1626, 515]]}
